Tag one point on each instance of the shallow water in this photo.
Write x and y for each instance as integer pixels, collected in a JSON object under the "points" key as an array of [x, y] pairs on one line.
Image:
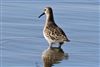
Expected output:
{"points": [[22, 41]]}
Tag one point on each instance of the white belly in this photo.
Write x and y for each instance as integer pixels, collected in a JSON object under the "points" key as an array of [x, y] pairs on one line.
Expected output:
{"points": [[48, 39]]}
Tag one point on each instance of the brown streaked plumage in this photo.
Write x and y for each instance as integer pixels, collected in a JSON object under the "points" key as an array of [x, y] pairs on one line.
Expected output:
{"points": [[52, 32]]}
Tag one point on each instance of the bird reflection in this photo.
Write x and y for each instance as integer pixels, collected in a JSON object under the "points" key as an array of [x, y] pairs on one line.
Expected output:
{"points": [[53, 56]]}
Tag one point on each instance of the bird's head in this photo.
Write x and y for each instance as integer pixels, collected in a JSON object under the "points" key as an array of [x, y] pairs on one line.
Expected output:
{"points": [[47, 11]]}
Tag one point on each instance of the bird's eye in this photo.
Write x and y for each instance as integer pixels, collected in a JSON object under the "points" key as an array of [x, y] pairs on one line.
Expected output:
{"points": [[44, 9]]}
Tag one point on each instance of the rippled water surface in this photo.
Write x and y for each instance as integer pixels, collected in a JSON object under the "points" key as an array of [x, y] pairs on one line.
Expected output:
{"points": [[22, 41]]}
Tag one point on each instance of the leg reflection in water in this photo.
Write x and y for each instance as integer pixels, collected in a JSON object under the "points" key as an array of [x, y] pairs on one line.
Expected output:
{"points": [[53, 56]]}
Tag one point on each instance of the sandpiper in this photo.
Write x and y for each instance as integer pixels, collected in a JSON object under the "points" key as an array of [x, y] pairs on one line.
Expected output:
{"points": [[52, 32]]}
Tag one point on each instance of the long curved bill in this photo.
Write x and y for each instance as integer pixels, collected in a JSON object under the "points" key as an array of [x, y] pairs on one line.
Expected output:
{"points": [[41, 15]]}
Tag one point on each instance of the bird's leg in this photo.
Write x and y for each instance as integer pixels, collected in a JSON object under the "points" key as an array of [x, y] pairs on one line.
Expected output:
{"points": [[60, 44], [50, 45]]}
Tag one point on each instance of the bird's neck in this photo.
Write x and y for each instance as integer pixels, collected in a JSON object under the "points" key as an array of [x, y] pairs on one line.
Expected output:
{"points": [[49, 18]]}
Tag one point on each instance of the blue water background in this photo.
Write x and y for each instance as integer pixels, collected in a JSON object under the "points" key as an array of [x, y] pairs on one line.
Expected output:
{"points": [[22, 41]]}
